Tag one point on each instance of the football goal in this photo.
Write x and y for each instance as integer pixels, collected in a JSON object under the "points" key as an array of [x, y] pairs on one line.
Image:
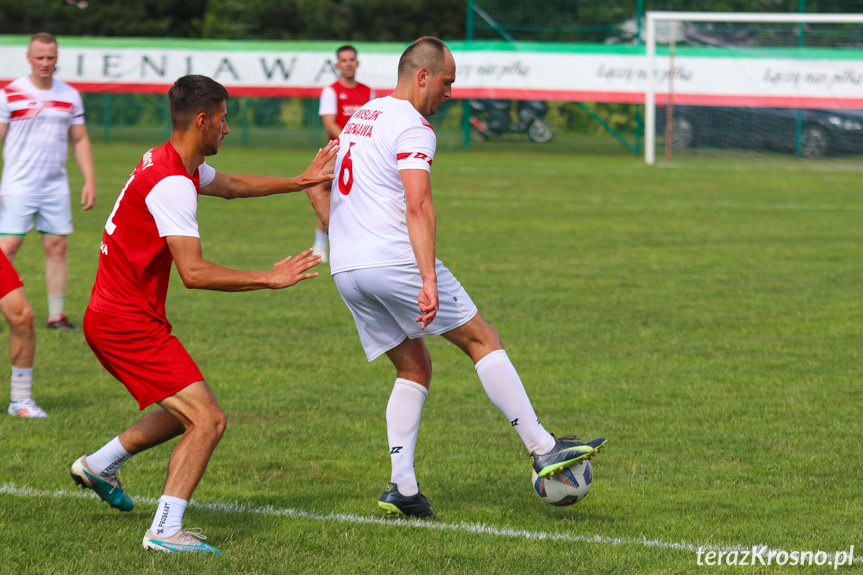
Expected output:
{"points": [[751, 84]]}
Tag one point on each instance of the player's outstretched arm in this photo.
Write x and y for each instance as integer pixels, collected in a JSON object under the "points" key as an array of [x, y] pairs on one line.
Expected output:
{"points": [[198, 273], [248, 186]]}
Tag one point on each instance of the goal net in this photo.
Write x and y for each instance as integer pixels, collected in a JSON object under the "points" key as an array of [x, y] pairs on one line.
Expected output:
{"points": [[754, 85]]}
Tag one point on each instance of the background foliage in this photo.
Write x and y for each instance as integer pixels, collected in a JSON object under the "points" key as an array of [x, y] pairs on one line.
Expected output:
{"points": [[360, 20]]}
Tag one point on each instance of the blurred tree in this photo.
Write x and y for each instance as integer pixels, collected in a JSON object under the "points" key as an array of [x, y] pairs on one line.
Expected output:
{"points": [[359, 20], [354, 20], [154, 18]]}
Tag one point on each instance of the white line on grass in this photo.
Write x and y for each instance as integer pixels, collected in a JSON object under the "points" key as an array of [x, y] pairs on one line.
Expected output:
{"points": [[478, 528]]}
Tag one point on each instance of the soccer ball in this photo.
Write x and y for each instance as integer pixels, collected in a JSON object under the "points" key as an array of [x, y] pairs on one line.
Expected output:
{"points": [[567, 487]]}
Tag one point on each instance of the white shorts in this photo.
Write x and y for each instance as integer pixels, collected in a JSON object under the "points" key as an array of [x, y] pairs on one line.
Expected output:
{"points": [[52, 214], [384, 304]]}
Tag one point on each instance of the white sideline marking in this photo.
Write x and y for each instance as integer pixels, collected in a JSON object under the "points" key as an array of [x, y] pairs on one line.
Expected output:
{"points": [[239, 508]]}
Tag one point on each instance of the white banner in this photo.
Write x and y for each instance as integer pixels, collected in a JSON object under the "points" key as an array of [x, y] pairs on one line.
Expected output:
{"points": [[531, 71]]}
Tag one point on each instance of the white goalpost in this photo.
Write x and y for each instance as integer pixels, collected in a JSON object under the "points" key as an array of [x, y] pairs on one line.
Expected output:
{"points": [[795, 82]]}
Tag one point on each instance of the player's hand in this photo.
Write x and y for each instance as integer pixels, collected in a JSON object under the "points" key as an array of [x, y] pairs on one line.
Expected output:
{"points": [[428, 303], [292, 269], [88, 196], [321, 168]]}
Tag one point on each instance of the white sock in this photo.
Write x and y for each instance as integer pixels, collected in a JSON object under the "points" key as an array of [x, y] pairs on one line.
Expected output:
{"points": [[169, 516], [22, 381], [55, 307], [403, 423], [109, 458], [506, 392], [320, 239]]}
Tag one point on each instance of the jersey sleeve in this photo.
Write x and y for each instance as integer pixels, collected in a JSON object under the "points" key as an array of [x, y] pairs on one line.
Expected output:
{"points": [[173, 203], [329, 103], [206, 174], [77, 109], [4, 108], [415, 148]]}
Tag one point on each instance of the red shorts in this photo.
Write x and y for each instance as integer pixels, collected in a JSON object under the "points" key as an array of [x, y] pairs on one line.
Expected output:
{"points": [[9, 278], [143, 355]]}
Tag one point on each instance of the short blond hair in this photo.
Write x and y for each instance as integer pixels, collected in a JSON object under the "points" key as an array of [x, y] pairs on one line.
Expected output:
{"points": [[43, 37]]}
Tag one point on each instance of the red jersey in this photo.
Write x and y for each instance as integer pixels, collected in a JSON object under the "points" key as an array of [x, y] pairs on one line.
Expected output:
{"points": [[343, 102], [158, 200]]}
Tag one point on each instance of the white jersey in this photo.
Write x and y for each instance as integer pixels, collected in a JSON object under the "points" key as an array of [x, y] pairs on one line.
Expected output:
{"points": [[36, 147], [368, 227]]}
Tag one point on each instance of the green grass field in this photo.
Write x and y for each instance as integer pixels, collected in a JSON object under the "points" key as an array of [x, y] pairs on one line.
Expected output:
{"points": [[705, 317]]}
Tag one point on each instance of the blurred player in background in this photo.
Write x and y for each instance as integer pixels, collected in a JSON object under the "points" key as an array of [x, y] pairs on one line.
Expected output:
{"points": [[152, 225], [22, 340], [339, 101], [382, 237], [39, 116]]}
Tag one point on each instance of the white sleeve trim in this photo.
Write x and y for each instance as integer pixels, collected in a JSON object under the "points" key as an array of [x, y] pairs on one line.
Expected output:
{"points": [[329, 102], [206, 174], [173, 202]]}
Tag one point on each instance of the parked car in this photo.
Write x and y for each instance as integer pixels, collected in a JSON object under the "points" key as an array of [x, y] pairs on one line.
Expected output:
{"points": [[821, 132]]}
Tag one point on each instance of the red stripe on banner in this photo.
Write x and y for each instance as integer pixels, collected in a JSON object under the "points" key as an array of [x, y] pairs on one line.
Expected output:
{"points": [[760, 101], [635, 97], [549, 95]]}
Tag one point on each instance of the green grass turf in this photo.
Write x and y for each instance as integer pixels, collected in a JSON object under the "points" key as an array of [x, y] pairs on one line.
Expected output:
{"points": [[704, 316]]}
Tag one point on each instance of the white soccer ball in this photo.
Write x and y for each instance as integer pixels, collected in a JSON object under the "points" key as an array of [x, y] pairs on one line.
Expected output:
{"points": [[567, 487]]}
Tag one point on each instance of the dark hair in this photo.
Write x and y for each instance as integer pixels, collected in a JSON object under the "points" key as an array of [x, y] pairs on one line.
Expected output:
{"points": [[426, 52], [43, 37], [345, 47], [191, 95]]}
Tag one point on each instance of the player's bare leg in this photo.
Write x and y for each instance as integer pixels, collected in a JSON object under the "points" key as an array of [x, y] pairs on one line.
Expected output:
{"points": [[153, 429], [412, 361], [10, 246], [56, 273], [196, 409], [22, 335], [22, 351], [477, 338]]}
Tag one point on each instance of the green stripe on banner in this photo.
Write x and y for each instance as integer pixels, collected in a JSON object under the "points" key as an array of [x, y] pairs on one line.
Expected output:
{"points": [[802, 53]]}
